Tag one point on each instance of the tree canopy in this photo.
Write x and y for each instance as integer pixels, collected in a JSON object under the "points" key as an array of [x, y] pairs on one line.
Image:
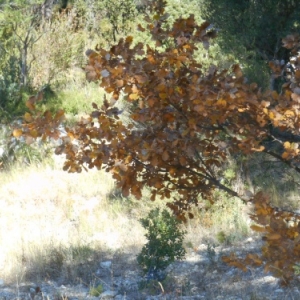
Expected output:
{"points": [[253, 30], [183, 125]]}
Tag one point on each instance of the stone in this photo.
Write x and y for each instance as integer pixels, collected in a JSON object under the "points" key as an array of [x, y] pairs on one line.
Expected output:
{"points": [[249, 240], [108, 295], [105, 264]]}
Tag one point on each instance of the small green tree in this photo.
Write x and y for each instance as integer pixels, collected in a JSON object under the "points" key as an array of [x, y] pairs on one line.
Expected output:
{"points": [[19, 31], [251, 32], [120, 14], [164, 244]]}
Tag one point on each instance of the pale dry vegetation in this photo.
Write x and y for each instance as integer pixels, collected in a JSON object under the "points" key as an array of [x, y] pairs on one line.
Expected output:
{"points": [[53, 222]]}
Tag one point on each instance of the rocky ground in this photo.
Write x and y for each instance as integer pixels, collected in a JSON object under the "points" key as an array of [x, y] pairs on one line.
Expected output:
{"points": [[202, 275]]}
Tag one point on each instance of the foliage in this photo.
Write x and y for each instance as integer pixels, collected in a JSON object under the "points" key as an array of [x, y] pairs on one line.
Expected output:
{"points": [[211, 253], [17, 34], [55, 65], [164, 244], [96, 291], [258, 25], [184, 125], [14, 150], [252, 31], [120, 14], [36, 51], [104, 20], [281, 234]]}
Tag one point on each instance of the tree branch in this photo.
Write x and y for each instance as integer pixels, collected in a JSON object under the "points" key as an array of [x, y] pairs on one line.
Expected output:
{"points": [[277, 156]]}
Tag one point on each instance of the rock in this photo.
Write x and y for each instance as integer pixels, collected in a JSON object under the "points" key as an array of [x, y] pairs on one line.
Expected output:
{"points": [[108, 295], [249, 240], [296, 290], [105, 264], [202, 247], [98, 272]]}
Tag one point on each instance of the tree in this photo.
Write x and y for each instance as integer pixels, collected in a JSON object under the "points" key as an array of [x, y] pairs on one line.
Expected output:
{"points": [[19, 32], [252, 30], [183, 126], [120, 14]]}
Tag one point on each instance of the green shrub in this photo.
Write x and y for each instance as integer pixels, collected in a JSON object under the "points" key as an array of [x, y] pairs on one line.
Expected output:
{"points": [[165, 242], [13, 150], [96, 291], [221, 237]]}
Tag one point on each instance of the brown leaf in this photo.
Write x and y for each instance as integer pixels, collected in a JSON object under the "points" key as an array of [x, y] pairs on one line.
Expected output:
{"points": [[28, 117], [273, 236], [30, 102], [140, 28], [133, 96], [165, 155], [258, 228], [237, 71]]}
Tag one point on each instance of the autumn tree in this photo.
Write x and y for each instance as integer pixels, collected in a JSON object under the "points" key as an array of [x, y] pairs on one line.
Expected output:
{"points": [[183, 125]]}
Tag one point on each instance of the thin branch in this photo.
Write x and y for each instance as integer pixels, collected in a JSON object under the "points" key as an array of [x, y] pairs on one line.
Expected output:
{"points": [[289, 163]]}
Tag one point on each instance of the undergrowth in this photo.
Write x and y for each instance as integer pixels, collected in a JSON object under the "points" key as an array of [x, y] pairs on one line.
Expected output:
{"points": [[53, 223]]}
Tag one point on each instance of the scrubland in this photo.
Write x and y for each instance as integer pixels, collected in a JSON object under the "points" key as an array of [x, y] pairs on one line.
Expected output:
{"points": [[52, 221]]}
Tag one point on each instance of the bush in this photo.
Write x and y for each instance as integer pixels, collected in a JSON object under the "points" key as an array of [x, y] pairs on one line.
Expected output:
{"points": [[96, 291], [165, 242]]}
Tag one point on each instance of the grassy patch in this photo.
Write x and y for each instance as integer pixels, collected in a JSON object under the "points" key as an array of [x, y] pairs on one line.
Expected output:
{"points": [[59, 225]]}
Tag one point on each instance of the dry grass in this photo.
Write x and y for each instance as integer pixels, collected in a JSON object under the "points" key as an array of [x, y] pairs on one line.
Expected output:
{"points": [[44, 209], [52, 222]]}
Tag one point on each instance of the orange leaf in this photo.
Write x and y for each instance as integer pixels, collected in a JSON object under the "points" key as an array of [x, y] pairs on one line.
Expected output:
{"points": [[237, 71], [129, 39], [133, 96], [258, 228], [59, 115], [271, 115], [273, 236], [165, 155], [34, 133], [151, 102], [285, 155], [289, 113], [238, 265], [17, 133], [158, 184], [172, 171], [221, 102], [140, 28], [182, 160], [163, 96], [154, 161], [27, 117], [125, 191], [136, 191], [30, 105], [199, 108], [152, 198], [119, 83], [140, 78]]}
